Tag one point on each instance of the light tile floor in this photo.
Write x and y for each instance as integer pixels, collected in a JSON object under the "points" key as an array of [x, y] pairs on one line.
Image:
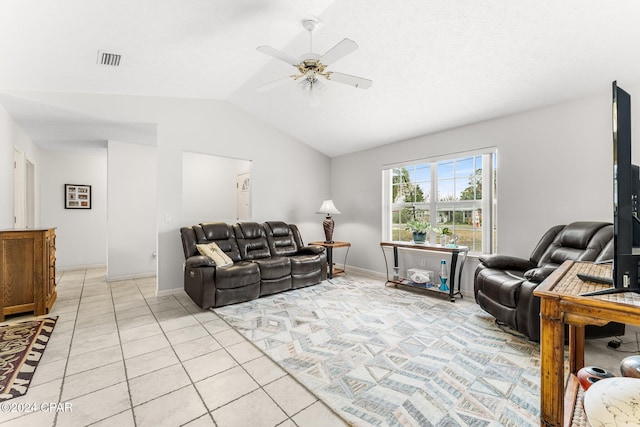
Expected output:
{"points": [[120, 356]]}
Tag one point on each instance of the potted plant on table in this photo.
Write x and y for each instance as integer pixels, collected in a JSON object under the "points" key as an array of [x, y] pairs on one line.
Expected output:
{"points": [[446, 237], [419, 228]]}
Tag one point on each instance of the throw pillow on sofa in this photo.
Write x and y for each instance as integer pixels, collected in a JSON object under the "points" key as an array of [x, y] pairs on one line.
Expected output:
{"points": [[214, 252]]}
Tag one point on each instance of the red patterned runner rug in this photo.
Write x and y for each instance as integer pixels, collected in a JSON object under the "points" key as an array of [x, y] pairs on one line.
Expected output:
{"points": [[21, 347]]}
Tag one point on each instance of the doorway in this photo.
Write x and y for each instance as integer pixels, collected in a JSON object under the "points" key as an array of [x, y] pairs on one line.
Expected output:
{"points": [[243, 196], [24, 191], [30, 194]]}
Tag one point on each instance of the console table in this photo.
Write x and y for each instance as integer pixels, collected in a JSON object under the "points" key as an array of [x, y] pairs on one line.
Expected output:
{"points": [[452, 252], [330, 246], [562, 304]]}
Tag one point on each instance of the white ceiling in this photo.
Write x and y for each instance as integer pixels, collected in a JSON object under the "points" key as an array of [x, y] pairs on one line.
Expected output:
{"points": [[435, 64]]}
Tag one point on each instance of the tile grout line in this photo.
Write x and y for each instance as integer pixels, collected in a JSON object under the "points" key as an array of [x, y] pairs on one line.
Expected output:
{"points": [[68, 357], [241, 365], [179, 361], [287, 374], [66, 365], [124, 364], [82, 285]]}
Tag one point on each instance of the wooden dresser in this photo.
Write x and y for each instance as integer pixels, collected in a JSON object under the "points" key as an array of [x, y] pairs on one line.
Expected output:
{"points": [[27, 271]]}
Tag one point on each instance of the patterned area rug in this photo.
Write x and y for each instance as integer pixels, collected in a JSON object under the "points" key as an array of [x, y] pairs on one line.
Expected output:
{"points": [[21, 347], [383, 356]]}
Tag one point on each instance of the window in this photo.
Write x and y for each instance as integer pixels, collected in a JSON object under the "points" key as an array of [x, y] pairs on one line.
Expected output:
{"points": [[454, 193]]}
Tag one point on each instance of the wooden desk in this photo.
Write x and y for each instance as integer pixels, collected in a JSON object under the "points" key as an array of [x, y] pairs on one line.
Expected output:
{"points": [[330, 246], [561, 303]]}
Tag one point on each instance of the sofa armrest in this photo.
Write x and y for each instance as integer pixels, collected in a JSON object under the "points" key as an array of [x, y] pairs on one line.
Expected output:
{"points": [[537, 275], [310, 250], [200, 261], [506, 262]]}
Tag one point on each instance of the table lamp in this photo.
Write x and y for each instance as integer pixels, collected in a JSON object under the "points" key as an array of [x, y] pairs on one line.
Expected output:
{"points": [[328, 208]]}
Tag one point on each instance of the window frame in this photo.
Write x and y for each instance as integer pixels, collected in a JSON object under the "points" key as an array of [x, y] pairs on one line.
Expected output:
{"points": [[488, 201]]}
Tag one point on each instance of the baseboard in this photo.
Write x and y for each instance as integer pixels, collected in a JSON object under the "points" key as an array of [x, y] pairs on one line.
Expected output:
{"points": [[364, 272], [81, 267], [131, 277], [172, 291]]}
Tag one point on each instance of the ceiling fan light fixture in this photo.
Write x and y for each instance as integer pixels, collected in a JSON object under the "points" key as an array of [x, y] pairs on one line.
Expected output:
{"points": [[312, 86]]}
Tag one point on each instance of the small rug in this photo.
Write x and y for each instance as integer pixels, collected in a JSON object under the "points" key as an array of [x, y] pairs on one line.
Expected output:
{"points": [[385, 356], [21, 347]]}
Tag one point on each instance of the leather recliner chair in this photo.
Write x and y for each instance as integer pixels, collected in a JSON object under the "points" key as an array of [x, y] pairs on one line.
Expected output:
{"points": [[504, 284]]}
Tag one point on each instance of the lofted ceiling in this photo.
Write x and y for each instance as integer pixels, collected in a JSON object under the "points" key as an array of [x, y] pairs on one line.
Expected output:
{"points": [[435, 64]]}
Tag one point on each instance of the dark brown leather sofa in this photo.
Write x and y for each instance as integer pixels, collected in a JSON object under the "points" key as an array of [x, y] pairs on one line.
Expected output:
{"points": [[267, 258], [504, 284]]}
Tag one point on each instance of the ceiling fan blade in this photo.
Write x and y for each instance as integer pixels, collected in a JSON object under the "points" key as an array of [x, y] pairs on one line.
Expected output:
{"points": [[273, 84], [347, 79], [278, 54], [343, 48]]}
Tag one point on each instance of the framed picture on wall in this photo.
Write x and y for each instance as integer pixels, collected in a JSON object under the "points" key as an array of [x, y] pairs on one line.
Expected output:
{"points": [[77, 196]]}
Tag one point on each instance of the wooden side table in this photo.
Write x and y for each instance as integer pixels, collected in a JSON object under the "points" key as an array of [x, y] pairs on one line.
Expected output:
{"points": [[330, 246], [562, 303]]}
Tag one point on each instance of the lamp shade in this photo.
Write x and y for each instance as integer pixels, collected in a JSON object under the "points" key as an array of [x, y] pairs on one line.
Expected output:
{"points": [[328, 208]]}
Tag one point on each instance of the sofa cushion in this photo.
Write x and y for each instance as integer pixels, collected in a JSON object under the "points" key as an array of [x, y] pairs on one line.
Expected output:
{"points": [[274, 267], [578, 241], [241, 273], [280, 238], [214, 252], [252, 240], [221, 234]]}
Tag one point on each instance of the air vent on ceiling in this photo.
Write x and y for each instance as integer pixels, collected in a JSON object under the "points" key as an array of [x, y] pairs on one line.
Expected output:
{"points": [[106, 58]]}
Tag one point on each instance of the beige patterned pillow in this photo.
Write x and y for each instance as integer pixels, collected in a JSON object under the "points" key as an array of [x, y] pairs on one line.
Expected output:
{"points": [[214, 252]]}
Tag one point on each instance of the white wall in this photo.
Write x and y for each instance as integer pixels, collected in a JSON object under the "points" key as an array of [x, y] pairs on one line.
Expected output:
{"points": [[219, 173], [13, 137], [132, 195], [81, 234], [283, 188], [554, 167]]}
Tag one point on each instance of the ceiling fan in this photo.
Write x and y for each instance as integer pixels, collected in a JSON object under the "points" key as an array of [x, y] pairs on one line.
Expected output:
{"points": [[311, 66]]}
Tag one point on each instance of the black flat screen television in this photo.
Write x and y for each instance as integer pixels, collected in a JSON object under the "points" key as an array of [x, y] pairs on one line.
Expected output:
{"points": [[626, 185]]}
